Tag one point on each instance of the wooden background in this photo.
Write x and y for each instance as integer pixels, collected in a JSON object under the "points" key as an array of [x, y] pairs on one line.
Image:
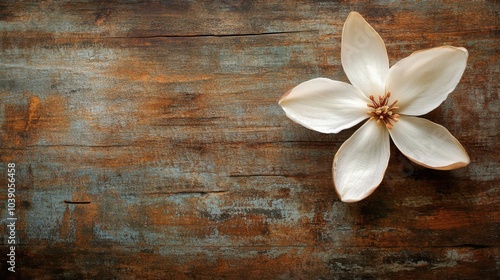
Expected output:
{"points": [[162, 117]]}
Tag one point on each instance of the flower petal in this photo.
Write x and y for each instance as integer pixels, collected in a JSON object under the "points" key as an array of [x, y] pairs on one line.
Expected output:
{"points": [[325, 105], [364, 56], [424, 79], [428, 144], [360, 163]]}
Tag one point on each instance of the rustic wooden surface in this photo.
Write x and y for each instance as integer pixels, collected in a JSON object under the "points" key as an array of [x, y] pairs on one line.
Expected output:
{"points": [[162, 116]]}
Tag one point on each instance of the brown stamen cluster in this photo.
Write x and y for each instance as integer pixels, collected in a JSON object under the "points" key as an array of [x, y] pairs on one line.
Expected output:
{"points": [[382, 112]]}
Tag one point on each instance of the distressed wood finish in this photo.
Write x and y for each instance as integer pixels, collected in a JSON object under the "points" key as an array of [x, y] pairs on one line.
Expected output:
{"points": [[149, 144]]}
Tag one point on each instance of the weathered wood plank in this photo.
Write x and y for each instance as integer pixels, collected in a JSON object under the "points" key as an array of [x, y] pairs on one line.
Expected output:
{"points": [[149, 144], [263, 262]]}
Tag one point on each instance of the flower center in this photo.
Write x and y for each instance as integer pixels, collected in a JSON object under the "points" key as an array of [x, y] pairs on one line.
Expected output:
{"points": [[382, 112]]}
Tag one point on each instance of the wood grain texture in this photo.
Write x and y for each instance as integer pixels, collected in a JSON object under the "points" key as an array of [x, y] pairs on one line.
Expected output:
{"points": [[149, 144]]}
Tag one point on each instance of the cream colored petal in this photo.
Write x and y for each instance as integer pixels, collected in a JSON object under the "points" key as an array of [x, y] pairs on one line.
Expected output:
{"points": [[325, 105], [424, 79], [364, 56], [428, 144], [360, 163]]}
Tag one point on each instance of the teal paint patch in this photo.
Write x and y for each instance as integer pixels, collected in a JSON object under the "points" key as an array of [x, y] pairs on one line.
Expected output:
{"points": [[44, 218]]}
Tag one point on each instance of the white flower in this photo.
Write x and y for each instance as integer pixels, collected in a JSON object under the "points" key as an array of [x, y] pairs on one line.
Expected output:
{"points": [[390, 98]]}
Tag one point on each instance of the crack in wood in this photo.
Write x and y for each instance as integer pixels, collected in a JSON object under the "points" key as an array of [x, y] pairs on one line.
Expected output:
{"points": [[257, 175], [77, 202], [214, 35], [188, 192], [80, 146]]}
